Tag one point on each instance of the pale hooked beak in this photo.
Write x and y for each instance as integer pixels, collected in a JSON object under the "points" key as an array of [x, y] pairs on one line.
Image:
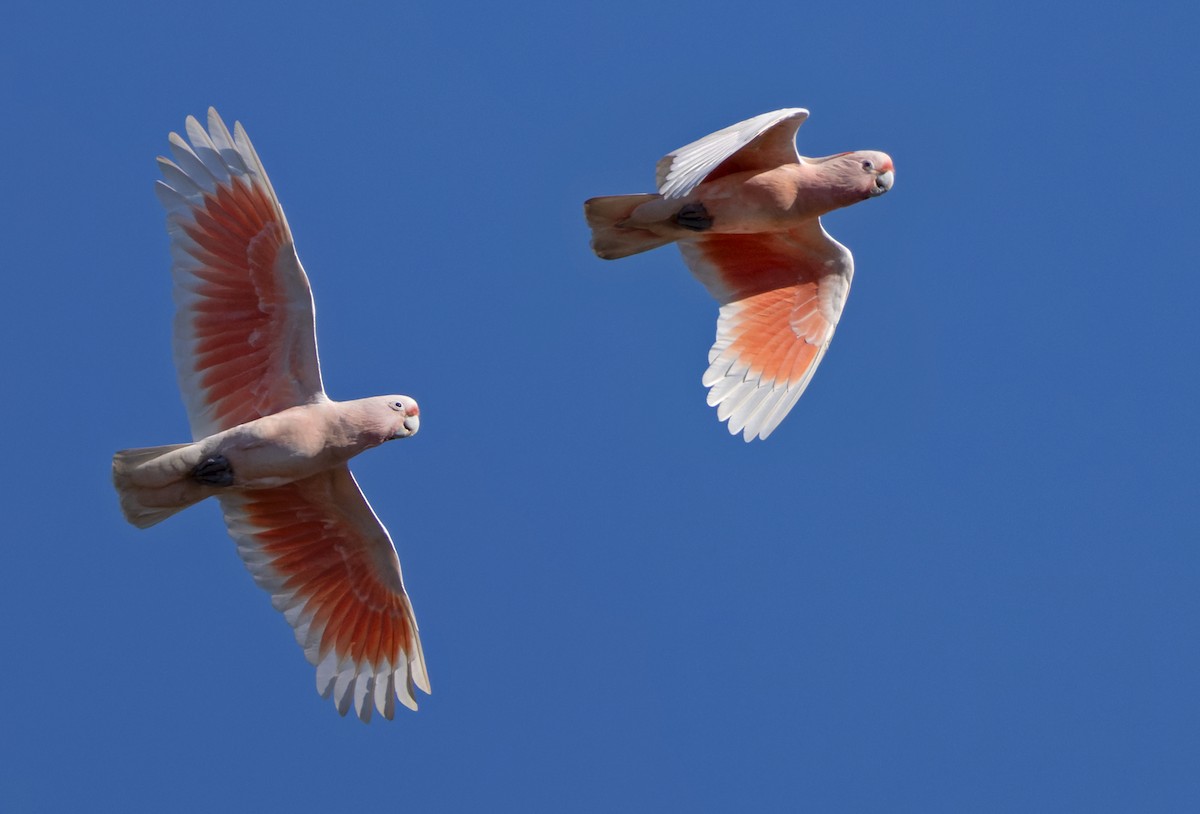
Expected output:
{"points": [[883, 182], [412, 419]]}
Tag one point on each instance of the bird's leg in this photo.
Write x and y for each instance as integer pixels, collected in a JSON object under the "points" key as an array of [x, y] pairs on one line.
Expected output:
{"points": [[214, 471], [695, 217]]}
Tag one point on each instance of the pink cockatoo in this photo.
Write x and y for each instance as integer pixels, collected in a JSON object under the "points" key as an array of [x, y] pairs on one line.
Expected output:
{"points": [[269, 444], [745, 209]]}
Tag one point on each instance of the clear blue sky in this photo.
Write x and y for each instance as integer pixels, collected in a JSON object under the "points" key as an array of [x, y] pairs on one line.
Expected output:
{"points": [[962, 575]]}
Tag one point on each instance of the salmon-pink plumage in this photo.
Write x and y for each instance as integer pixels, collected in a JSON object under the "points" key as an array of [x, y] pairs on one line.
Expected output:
{"points": [[744, 208], [268, 442], [317, 548], [245, 343]]}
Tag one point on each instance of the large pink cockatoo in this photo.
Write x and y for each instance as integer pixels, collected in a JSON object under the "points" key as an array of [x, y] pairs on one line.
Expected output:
{"points": [[745, 209], [269, 444]]}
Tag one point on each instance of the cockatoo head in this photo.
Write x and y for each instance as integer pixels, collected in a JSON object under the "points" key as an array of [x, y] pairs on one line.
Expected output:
{"points": [[858, 175], [405, 418], [879, 170]]}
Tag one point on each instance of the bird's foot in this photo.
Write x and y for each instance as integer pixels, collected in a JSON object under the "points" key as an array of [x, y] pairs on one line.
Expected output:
{"points": [[695, 217], [214, 471]]}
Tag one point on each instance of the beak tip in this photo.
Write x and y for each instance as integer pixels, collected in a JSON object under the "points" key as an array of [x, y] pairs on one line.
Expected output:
{"points": [[885, 180]]}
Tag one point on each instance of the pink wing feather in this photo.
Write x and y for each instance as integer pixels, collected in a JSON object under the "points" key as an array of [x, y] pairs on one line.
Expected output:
{"points": [[317, 547], [781, 294], [245, 342]]}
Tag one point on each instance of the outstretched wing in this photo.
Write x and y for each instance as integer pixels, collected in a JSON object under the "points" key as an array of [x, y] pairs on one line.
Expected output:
{"points": [[245, 342], [781, 294], [763, 142], [330, 567]]}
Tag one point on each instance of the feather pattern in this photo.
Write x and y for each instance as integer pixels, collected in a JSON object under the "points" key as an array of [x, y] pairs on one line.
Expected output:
{"points": [[781, 296], [318, 549], [245, 342]]}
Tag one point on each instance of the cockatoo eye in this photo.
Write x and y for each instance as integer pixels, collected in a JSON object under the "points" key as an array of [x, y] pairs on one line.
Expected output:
{"points": [[867, 165], [398, 405]]}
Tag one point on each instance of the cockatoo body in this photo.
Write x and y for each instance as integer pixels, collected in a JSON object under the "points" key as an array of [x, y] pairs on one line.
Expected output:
{"points": [[269, 444], [744, 207]]}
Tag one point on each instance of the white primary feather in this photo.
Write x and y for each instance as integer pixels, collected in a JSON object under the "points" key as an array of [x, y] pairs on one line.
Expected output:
{"points": [[223, 142], [343, 687], [178, 179], [385, 695], [404, 687], [364, 689], [416, 667], [205, 149], [326, 673], [191, 164]]}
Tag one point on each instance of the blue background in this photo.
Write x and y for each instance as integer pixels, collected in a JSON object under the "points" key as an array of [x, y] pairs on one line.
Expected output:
{"points": [[961, 576]]}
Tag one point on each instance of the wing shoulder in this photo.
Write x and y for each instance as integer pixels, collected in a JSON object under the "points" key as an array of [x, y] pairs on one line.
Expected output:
{"points": [[769, 138]]}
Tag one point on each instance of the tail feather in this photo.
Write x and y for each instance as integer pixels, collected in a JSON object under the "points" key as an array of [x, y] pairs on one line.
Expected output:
{"points": [[144, 506], [612, 240]]}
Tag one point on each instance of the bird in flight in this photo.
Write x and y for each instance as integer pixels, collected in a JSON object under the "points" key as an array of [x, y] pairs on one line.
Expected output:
{"points": [[745, 209], [268, 442]]}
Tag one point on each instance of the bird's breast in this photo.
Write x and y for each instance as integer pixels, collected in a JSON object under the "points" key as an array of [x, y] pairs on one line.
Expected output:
{"points": [[754, 202], [284, 447]]}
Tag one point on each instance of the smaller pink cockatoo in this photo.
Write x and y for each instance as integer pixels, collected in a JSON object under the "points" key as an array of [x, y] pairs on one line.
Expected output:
{"points": [[745, 209], [268, 443]]}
